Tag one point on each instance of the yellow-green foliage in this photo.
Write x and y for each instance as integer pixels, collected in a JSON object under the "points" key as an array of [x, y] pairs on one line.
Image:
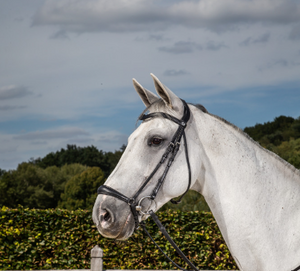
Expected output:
{"points": [[61, 239], [289, 151], [281, 136]]}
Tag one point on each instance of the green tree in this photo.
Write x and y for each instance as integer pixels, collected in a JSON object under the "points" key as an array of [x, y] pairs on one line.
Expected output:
{"points": [[34, 187], [89, 156], [289, 151], [55, 179], [23, 186], [81, 190], [275, 132], [2, 171], [296, 128]]}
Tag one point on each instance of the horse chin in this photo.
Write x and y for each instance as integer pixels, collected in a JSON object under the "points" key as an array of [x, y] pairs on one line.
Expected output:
{"points": [[128, 229]]}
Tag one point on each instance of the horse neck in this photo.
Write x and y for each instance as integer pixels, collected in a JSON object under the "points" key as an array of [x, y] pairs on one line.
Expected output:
{"points": [[237, 162], [244, 184]]}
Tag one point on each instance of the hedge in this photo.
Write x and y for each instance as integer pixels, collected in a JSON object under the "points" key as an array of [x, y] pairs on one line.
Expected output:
{"points": [[61, 239]]}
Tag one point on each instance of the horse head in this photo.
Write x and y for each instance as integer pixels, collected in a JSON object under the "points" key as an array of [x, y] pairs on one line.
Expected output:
{"points": [[253, 194], [142, 167]]}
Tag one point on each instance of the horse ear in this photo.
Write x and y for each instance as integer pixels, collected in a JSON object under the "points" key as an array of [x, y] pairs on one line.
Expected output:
{"points": [[170, 99], [147, 96]]}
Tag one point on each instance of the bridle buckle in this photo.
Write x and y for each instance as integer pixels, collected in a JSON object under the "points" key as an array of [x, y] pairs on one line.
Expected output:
{"points": [[171, 146], [139, 206]]}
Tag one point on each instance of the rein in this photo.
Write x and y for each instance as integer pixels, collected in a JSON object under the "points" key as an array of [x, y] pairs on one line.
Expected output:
{"points": [[135, 205]]}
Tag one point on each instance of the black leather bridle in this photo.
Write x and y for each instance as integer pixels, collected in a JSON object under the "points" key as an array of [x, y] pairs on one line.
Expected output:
{"points": [[171, 151], [135, 204]]}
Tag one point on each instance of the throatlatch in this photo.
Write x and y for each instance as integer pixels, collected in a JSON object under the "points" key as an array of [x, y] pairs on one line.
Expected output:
{"points": [[135, 204]]}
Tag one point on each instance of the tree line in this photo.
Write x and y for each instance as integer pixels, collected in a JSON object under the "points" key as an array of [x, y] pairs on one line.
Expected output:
{"points": [[69, 178], [281, 136]]}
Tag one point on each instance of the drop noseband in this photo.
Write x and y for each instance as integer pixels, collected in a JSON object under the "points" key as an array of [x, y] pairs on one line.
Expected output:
{"points": [[171, 151]]}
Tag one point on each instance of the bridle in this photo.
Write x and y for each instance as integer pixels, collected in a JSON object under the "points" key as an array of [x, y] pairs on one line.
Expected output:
{"points": [[171, 151], [135, 205]]}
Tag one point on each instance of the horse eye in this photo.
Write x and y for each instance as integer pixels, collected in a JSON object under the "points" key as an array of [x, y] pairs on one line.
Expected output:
{"points": [[155, 141]]}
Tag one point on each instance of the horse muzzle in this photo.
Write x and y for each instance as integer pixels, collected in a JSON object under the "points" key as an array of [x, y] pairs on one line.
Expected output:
{"points": [[113, 218]]}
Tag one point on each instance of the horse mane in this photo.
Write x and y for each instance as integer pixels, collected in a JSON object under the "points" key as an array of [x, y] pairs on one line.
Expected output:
{"points": [[240, 131]]}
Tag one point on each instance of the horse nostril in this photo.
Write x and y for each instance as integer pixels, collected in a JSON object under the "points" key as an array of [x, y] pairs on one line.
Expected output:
{"points": [[106, 216]]}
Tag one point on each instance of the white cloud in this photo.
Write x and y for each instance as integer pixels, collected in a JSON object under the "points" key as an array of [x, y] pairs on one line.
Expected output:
{"points": [[84, 81], [11, 92], [222, 15], [181, 47], [111, 140], [139, 15], [65, 132], [214, 46], [101, 15], [10, 108], [264, 38], [61, 35], [175, 72], [295, 32], [280, 64], [17, 148], [186, 47]]}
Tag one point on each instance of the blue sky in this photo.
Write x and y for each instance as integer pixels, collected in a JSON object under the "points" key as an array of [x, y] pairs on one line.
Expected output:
{"points": [[66, 66]]}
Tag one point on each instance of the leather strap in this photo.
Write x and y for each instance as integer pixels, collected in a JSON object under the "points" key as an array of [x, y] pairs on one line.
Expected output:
{"points": [[172, 149], [165, 233], [106, 190], [182, 122], [189, 170]]}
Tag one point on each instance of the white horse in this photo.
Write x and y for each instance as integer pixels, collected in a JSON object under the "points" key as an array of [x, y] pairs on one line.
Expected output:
{"points": [[253, 194]]}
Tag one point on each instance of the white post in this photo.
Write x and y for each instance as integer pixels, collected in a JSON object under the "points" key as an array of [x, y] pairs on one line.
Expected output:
{"points": [[96, 259]]}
